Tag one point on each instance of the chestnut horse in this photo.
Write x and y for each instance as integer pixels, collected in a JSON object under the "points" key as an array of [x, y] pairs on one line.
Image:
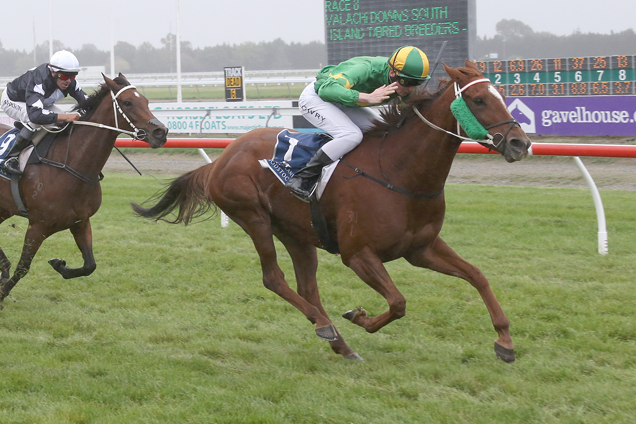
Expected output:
{"points": [[64, 191], [384, 201]]}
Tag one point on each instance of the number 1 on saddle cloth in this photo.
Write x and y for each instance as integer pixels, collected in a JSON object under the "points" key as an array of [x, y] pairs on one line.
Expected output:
{"points": [[292, 152]]}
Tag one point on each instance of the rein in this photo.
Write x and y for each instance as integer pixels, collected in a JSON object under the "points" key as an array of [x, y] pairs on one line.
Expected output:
{"points": [[137, 133]]}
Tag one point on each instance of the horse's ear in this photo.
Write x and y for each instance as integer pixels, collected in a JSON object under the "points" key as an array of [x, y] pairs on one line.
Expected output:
{"points": [[471, 65], [452, 72], [110, 83]]}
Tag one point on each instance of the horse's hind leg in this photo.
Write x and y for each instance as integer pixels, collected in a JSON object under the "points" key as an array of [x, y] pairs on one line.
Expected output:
{"points": [[84, 239], [257, 225], [438, 256], [305, 262]]}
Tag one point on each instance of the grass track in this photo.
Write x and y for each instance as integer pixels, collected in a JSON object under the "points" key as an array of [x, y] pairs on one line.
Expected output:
{"points": [[175, 326]]}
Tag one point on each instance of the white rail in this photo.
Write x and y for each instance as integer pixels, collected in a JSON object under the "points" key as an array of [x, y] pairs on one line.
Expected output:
{"points": [[200, 78]]}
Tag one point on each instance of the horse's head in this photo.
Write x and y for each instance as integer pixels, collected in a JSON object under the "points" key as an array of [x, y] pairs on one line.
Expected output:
{"points": [[487, 113], [131, 110]]}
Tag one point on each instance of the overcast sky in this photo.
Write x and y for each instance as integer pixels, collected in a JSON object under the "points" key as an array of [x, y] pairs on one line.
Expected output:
{"points": [[211, 22]]}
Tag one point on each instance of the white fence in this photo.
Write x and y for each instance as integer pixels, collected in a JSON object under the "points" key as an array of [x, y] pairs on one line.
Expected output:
{"points": [[201, 79]]}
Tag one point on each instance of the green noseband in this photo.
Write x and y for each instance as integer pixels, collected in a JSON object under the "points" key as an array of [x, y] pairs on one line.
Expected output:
{"points": [[467, 120]]}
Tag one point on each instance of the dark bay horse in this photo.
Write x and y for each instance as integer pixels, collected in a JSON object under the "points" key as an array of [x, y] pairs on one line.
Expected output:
{"points": [[65, 192], [373, 223]]}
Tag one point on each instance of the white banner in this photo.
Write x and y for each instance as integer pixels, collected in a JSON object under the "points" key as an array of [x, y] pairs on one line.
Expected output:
{"points": [[224, 117]]}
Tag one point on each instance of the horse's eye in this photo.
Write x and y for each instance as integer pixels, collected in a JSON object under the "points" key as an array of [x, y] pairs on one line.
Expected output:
{"points": [[127, 103], [479, 101]]}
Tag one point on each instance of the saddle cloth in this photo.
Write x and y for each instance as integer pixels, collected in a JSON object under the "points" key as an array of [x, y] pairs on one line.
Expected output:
{"points": [[292, 152], [7, 140]]}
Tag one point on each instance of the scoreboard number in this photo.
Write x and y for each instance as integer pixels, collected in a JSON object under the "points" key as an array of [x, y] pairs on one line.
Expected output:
{"points": [[569, 76]]}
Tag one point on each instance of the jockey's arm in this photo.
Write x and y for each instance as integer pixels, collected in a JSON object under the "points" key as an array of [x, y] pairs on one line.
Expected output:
{"points": [[67, 117]]}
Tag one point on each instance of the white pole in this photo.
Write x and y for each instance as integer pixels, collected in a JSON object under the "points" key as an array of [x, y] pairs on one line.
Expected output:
{"points": [[50, 29], [112, 40], [35, 58], [598, 204], [179, 95]]}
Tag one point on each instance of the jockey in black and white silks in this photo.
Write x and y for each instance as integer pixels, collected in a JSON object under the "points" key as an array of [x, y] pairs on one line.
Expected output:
{"points": [[31, 97]]}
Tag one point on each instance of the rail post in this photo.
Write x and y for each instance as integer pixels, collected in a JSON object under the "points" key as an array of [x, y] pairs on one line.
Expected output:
{"points": [[598, 204]]}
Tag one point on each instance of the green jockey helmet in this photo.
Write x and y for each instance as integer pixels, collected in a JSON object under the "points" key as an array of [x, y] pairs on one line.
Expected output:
{"points": [[410, 64]]}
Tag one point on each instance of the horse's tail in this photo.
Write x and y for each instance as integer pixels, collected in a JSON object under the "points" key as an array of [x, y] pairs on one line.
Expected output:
{"points": [[186, 194]]}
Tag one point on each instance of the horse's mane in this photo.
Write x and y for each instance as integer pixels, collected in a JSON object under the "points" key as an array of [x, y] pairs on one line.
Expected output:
{"points": [[90, 105], [397, 110]]}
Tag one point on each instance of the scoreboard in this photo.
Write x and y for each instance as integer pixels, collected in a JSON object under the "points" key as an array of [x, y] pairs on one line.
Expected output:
{"points": [[571, 76], [379, 27]]}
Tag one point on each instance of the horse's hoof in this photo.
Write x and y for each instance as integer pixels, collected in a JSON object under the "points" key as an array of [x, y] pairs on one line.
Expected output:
{"points": [[351, 315], [327, 333], [505, 354], [57, 263], [354, 357]]}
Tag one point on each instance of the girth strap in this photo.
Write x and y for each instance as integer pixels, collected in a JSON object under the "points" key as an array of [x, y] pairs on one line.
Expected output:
{"points": [[319, 223], [71, 171], [15, 191]]}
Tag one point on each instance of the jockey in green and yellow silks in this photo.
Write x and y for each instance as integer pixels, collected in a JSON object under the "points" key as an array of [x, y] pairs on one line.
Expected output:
{"points": [[337, 102]]}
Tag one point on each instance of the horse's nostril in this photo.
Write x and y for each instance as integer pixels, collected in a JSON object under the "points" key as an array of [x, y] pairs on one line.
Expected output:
{"points": [[159, 132], [518, 145]]}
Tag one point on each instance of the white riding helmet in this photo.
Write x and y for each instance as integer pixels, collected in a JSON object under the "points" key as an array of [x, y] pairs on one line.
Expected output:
{"points": [[64, 62]]}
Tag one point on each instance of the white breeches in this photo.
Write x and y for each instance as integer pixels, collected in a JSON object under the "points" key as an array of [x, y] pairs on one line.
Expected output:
{"points": [[344, 124], [18, 111]]}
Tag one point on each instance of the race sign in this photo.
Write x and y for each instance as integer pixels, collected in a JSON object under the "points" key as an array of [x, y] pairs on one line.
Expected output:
{"points": [[379, 27], [234, 84]]}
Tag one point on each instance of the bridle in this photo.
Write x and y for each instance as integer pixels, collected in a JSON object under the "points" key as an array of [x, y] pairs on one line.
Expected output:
{"points": [[137, 133], [491, 141]]}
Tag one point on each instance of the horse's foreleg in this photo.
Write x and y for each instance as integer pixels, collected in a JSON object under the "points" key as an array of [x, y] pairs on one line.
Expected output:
{"points": [[5, 266], [84, 239], [372, 271], [305, 263], [33, 239], [5, 263], [438, 256]]}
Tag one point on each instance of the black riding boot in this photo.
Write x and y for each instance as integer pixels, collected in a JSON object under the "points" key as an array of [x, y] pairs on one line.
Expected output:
{"points": [[302, 181], [11, 164]]}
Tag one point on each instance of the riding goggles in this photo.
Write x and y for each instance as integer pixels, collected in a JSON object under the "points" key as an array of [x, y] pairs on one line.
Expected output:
{"points": [[66, 77], [408, 82]]}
